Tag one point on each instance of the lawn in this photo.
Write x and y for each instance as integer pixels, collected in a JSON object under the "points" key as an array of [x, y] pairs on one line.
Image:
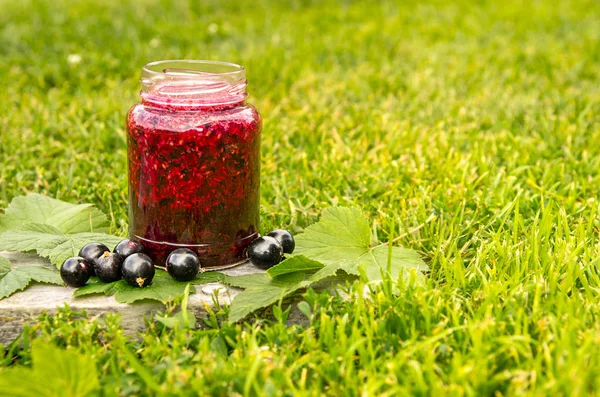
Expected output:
{"points": [[469, 130]]}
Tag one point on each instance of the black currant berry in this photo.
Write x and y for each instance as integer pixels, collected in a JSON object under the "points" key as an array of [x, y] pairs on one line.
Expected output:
{"points": [[285, 238], [183, 264], [75, 271], [128, 247], [138, 270], [108, 267], [92, 251], [265, 252]]}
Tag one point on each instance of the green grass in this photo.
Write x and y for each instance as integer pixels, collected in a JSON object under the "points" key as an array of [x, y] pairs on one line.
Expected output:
{"points": [[470, 128]]}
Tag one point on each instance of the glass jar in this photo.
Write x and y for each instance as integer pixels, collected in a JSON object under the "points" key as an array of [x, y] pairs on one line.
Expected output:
{"points": [[194, 162]]}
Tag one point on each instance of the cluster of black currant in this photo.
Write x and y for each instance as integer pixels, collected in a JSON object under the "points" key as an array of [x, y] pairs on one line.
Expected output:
{"points": [[127, 261], [267, 251]]}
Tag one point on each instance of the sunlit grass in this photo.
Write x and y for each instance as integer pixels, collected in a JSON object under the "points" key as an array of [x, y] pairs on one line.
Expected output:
{"points": [[469, 128]]}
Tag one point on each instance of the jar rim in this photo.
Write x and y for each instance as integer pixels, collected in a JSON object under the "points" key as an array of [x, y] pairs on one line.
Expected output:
{"points": [[193, 83], [192, 68]]}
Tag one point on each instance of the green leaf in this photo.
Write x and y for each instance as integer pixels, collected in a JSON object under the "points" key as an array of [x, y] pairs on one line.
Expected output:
{"points": [[178, 320], [96, 286], [322, 274], [305, 308], [50, 242], [339, 227], [183, 319], [298, 263], [337, 246], [209, 277], [287, 280], [258, 280], [403, 260], [219, 347], [55, 372], [162, 289], [17, 279], [261, 291], [31, 237], [12, 282], [40, 274], [65, 217], [74, 242], [5, 266], [255, 298], [342, 238], [52, 228]]}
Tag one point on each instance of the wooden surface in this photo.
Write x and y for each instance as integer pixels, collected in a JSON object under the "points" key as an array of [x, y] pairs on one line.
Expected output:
{"points": [[25, 306]]}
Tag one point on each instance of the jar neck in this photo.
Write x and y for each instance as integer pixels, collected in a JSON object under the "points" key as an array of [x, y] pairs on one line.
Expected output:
{"points": [[191, 85]]}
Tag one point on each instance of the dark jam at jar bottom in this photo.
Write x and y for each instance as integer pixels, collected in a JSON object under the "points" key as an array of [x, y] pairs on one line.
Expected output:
{"points": [[194, 181], [211, 255]]}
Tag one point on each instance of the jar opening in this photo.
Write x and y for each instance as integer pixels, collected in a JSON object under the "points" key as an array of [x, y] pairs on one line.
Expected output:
{"points": [[193, 83]]}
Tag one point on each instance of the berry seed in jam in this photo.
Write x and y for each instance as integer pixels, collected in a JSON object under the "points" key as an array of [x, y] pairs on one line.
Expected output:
{"points": [[194, 162]]}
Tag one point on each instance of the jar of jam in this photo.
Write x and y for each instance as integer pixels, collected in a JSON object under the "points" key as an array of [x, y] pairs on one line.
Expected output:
{"points": [[194, 162]]}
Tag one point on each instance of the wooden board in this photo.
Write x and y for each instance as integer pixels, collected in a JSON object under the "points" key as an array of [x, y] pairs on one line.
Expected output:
{"points": [[25, 306]]}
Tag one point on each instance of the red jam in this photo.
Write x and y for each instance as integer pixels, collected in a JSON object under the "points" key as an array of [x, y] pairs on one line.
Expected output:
{"points": [[194, 162]]}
